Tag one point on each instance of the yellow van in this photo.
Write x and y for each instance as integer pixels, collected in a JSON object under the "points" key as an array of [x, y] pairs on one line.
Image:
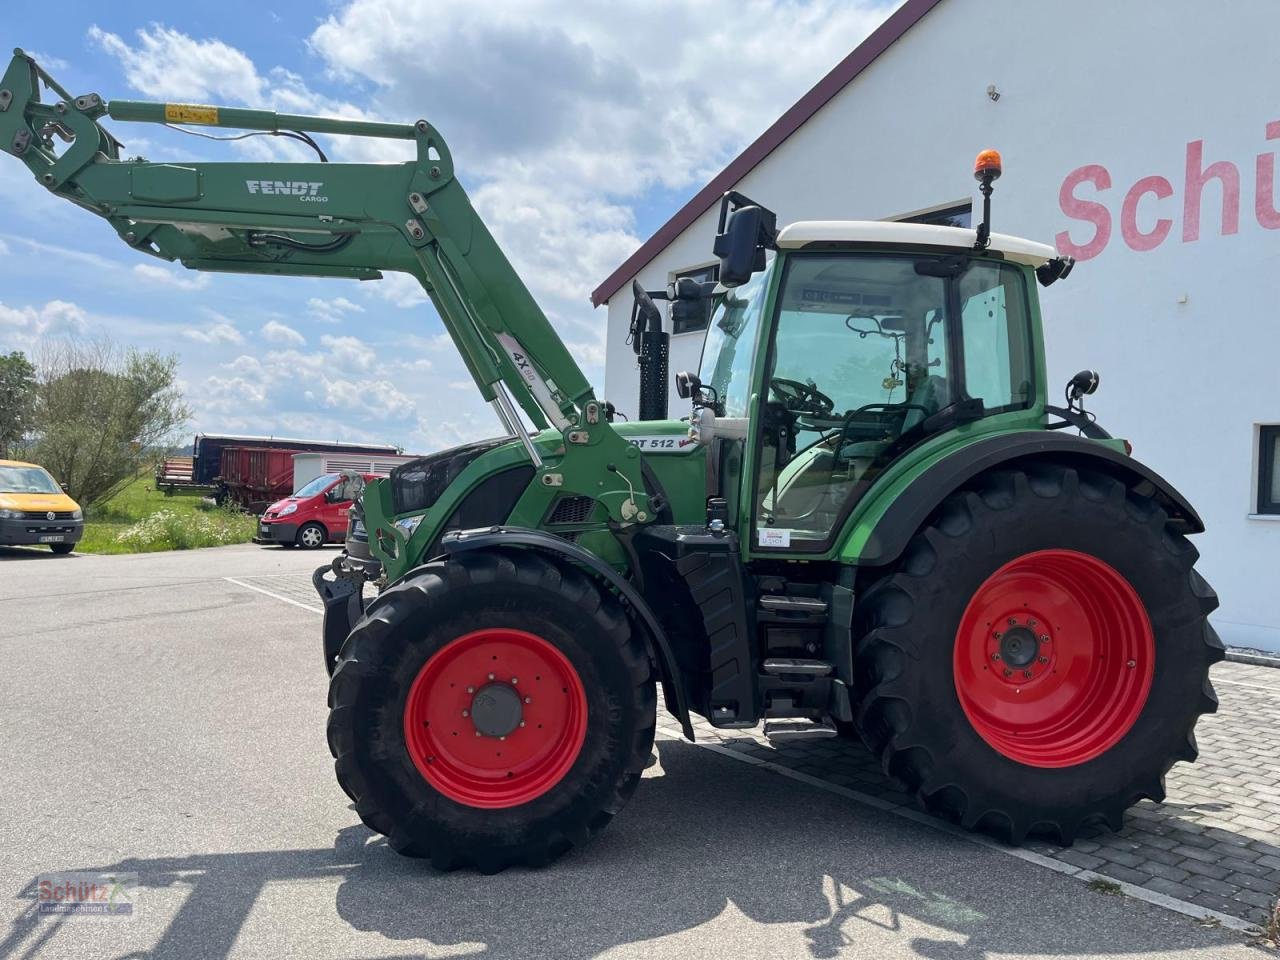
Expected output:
{"points": [[33, 508]]}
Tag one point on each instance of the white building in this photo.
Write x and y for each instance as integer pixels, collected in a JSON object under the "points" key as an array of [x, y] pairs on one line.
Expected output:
{"points": [[1141, 138]]}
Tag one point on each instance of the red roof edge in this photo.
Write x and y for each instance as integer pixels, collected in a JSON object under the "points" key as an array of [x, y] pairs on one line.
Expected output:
{"points": [[865, 54]]}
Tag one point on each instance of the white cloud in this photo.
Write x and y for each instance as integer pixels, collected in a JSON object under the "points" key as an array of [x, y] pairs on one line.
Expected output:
{"points": [[4, 249], [378, 398], [278, 332], [214, 333], [163, 276], [53, 317], [167, 64], [332, 309], [349, 351]]}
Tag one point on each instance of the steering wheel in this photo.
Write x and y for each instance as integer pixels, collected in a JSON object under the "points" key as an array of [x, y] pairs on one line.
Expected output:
{"points": [[801, 397]]}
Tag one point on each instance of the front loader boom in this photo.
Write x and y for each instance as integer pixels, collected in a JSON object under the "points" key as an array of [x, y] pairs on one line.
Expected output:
{"points": [[321, 219]]}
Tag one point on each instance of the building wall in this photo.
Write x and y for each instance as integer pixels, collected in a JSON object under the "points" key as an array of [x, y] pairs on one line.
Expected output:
{"points": [[1137, 137]]}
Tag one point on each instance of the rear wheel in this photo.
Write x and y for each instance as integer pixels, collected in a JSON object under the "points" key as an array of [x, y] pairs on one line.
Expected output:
{"points": [[491, 709], [311, 536], [1039, 656]]}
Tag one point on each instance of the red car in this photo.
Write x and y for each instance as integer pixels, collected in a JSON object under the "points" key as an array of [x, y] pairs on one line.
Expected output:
{"points": [[314, 515]]}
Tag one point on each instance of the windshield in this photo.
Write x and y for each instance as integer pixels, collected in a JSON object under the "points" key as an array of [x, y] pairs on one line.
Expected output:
{"points": [[318, 485], [27, 480], [872, 353], [730, 346]]}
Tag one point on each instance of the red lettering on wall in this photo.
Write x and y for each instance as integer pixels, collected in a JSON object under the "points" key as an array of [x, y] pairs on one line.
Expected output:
{"points": [[1197, 178], [1088, 210], [1135, 238], [1264, 204]]}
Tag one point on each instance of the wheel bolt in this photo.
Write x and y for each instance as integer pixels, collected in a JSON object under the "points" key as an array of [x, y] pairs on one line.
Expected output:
{"points": [[1008, 672], [997, 635], [528, 699], [995, 656], [1026, 674], [1013, 621], [1132, 664], [466, 713], [522, 723], [502, 738], [491, 676], [514, 681], [1044, 659], [477, 733], [1032, 622], [1044, 638], [471, 689]]}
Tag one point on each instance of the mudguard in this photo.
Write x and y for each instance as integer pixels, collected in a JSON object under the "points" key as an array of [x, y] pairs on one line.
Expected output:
{"points": [[458, 541], [909, 511]]}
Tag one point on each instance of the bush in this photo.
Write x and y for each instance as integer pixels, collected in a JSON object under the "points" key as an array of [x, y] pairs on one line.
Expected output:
{"points": [[169, 530]]}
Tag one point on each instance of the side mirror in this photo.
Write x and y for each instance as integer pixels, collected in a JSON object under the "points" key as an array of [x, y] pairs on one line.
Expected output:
{"points": [[742, 238]]}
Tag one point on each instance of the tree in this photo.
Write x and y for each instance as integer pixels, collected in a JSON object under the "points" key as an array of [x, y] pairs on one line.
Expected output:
{"points": [[101, 413], [17, 400]]}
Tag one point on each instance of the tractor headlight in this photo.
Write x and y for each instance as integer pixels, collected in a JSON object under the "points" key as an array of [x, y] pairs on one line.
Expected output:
{"points": [[288, 509], [407, 525]]}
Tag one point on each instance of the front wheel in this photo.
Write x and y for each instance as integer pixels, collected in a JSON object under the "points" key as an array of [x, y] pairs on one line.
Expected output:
{"points": [[62, 548], [491, 709], [311, 536], [1039, 656]]}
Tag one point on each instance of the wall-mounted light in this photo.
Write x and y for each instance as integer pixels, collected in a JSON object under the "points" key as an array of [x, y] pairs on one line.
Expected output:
{"points": [[993, 93]]}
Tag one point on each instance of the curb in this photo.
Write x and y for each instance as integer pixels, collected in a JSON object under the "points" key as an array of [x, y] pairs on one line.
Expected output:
{"points": [[1183, 907], [1257, 659]]}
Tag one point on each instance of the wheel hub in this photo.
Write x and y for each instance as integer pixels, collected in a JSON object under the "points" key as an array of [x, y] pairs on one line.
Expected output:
{"points": [[496, 710], [1019, 647]]}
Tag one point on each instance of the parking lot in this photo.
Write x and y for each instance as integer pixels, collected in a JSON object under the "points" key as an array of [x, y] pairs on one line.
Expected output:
{"points": [[164, 716]]}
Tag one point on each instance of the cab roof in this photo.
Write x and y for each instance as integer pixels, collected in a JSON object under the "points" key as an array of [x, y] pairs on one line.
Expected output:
{"points": [[888, 232]]}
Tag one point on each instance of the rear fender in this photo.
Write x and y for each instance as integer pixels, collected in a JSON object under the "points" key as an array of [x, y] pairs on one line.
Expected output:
{"points": [[908, 512], [557, 548]]}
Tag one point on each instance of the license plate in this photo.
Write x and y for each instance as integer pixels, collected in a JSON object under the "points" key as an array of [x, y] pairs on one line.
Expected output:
{"points": [[262, 530], [52, 538]]}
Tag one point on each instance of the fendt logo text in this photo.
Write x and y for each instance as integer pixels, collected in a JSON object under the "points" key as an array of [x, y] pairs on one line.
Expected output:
{"points": [[305, 190]]}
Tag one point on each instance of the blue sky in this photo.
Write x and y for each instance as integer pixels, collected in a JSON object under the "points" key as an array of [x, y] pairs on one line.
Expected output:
{"points": [[578, 127]]}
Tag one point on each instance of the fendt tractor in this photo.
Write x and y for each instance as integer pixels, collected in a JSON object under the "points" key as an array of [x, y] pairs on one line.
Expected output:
{"points": [[872, 522]]}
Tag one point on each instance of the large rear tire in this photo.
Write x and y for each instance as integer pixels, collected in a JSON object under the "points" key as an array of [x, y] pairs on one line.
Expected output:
{"points": [[1039, 656], [492, 709]]}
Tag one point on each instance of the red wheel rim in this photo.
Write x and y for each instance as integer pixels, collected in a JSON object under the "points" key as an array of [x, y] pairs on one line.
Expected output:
{"points": [[495, 718], [1054, 658]]}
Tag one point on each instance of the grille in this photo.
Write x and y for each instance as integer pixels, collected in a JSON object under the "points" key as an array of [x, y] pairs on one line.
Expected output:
{"points": [[44, 515], [572, 510]]}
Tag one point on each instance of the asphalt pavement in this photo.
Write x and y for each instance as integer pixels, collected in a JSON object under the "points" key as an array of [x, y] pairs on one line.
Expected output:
{"points": [[163, 720]]}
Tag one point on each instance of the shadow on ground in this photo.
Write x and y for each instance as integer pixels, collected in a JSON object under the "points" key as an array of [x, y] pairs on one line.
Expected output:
{"points": [[702, 836]]}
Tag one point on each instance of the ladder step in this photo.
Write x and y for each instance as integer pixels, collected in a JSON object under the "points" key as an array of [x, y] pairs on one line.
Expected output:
{"points": [[798, 729], [780, 666], [804, 604]]}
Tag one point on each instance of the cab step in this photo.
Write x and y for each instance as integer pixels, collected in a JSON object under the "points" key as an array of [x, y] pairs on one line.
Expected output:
{"points": [[779, 604], [790, 667], [798, 729]]}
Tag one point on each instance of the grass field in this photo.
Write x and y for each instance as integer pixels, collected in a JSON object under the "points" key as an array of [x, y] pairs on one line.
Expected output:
{"points": [[139, 519]]}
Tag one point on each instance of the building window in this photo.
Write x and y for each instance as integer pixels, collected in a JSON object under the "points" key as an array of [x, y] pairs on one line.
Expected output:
{"points": [[961, 215], [1269, 469], [702, 275]]}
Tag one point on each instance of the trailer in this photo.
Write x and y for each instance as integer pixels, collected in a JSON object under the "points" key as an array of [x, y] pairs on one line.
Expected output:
{"points": [[207, 451]]}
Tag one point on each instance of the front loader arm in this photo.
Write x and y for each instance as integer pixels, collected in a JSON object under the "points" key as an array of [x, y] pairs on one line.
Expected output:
{"points": [[347, 220]]}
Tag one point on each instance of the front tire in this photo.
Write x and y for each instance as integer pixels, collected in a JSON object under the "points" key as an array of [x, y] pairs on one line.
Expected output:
{"points": [[490, 710], [62, 548], [1039, 656], [311, 536]]}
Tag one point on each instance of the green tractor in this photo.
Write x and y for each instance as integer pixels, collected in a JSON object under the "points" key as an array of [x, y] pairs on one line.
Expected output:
{"points": [[871, 523]]}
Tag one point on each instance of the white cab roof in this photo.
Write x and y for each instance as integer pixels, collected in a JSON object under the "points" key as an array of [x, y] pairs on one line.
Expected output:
{"points": [[1015, 249]]}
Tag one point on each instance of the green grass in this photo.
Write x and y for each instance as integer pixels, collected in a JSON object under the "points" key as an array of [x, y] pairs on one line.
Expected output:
{"points": [[139, 519]]}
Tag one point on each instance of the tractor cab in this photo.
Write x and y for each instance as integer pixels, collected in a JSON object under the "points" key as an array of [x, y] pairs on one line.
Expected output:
{"points": [[865, 339]]}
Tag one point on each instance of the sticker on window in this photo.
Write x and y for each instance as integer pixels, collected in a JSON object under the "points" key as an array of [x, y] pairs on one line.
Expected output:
{"points": [[775, 538]]}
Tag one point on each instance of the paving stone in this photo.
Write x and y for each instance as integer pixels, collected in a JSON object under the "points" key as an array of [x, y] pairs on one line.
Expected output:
{"points": [[1255, 883], [1118, 872], [1201, 869], [1087, 861], [1155, 869], [1210, 885], [1171, 888], [1255, 899]]}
